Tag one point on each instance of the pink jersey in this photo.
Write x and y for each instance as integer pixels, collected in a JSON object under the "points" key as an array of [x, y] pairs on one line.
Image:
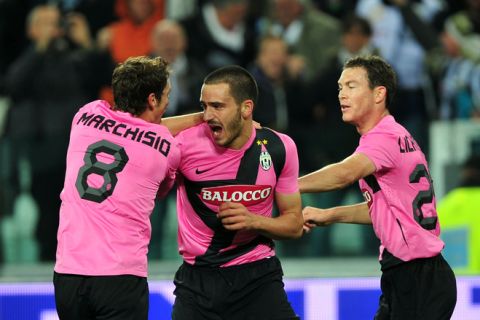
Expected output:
{"points": [[211, 174], [116, 166], [399, 194]]}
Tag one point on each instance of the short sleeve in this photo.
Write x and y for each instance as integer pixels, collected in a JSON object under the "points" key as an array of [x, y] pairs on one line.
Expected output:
{"points": [[288, 180], [381, 148]]}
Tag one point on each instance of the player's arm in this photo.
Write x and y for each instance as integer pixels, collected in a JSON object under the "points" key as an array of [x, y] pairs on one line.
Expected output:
{"points": [[316, 217], [178, 123], [287, 225], [338, 175]]}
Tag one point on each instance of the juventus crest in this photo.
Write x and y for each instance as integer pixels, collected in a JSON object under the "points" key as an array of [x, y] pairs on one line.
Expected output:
{"points": [[265, 160]]}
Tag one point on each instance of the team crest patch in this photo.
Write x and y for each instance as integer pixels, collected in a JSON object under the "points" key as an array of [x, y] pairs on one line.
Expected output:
{"points": [[265, 160]]}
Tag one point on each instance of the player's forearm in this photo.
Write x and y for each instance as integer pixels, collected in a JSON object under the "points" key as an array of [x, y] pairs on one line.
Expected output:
{"points": [[286, 226], [331, 177], [356, 214], [179, 123]]}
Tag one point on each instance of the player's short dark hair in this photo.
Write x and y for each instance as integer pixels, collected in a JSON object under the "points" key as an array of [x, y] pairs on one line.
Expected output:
{"points": [[135, 79], [242, 84], [379, 73]]}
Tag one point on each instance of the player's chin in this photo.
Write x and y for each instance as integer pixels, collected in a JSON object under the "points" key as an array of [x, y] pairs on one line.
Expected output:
{"points": [[346, 117]]}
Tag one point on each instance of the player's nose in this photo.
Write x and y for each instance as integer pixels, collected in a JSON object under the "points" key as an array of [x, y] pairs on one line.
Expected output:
{"points": [[207, 114]]}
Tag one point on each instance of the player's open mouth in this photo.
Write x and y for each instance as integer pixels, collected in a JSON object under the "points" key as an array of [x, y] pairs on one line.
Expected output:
{"points": [[344, 107], [216, 130]]}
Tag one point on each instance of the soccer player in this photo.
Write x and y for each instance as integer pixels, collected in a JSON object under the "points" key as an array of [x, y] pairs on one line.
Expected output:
{"points": [[231, 176], [417, 283], [119, 160]]}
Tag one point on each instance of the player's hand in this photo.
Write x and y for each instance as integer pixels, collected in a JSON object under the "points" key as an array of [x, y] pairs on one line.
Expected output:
{"points": [[314, 217], [235, 216]]}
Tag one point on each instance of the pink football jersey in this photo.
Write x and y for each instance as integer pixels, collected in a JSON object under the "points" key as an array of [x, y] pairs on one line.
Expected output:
{"points": [[116, 166], [400, 194], [268, 163]]}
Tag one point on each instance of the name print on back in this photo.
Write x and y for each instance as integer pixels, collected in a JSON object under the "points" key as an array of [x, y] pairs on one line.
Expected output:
{"points": [[149, 138]]}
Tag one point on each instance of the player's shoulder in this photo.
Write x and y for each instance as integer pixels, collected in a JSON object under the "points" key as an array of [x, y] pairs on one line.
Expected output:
{"points": [[387, 128], [285, 138], [96, 105]]}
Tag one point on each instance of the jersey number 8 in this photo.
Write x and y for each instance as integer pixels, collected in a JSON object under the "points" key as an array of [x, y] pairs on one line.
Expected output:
{"points": [[106, 170]]}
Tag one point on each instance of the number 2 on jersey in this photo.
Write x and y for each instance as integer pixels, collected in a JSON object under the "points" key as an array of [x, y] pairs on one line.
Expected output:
{"points": [[108, 171], [424, 196]]}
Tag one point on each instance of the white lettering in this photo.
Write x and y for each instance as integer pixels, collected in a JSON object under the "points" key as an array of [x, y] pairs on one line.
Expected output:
{"points": [[216, 197], [265, 193], [244, 196], [237, 196], [206, 195]]}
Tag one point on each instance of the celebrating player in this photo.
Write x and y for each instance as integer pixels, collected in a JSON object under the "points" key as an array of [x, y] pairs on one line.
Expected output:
{"points": [[231, 175]]}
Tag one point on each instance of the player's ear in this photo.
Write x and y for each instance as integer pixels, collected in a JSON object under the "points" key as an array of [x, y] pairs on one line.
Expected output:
{"points": [[380, 94], [247, 108], [152, 101]]}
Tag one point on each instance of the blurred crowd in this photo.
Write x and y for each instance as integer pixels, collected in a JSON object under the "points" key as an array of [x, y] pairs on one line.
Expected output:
{"points": [[57, 55]]}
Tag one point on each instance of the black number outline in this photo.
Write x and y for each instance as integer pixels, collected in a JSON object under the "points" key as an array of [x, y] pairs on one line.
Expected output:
{"points": [[423, 197], [107, 170]]}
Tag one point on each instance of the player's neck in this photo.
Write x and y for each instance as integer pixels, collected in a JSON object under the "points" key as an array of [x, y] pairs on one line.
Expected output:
{"points": [[371, 122], [244, 136]]}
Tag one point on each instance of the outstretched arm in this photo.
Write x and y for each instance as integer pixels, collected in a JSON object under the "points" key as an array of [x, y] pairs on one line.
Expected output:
{"points": [[178, 123], [338, 175], [316, 217], [288, 225]]}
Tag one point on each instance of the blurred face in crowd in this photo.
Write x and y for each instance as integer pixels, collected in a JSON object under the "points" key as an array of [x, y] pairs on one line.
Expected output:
{"points": [[223, 115], [233, 13], [168, 40], [272, 57], [354, 39], [140, 10], [286, 11], [44, 23], [355, 96]]}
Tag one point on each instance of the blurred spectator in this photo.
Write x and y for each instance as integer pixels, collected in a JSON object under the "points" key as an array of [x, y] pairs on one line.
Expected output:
{"points": [[47, 85], [460, 85], [462, 32], [459, 214], [279, 96], [336, 8], [397, 43], [309, 33], [218, 34], [170, 42], [130, 36], [99, 13]]}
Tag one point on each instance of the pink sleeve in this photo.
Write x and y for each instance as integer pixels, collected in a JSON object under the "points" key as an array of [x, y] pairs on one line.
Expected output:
{"points": [[288, 180], [381, 149]]}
